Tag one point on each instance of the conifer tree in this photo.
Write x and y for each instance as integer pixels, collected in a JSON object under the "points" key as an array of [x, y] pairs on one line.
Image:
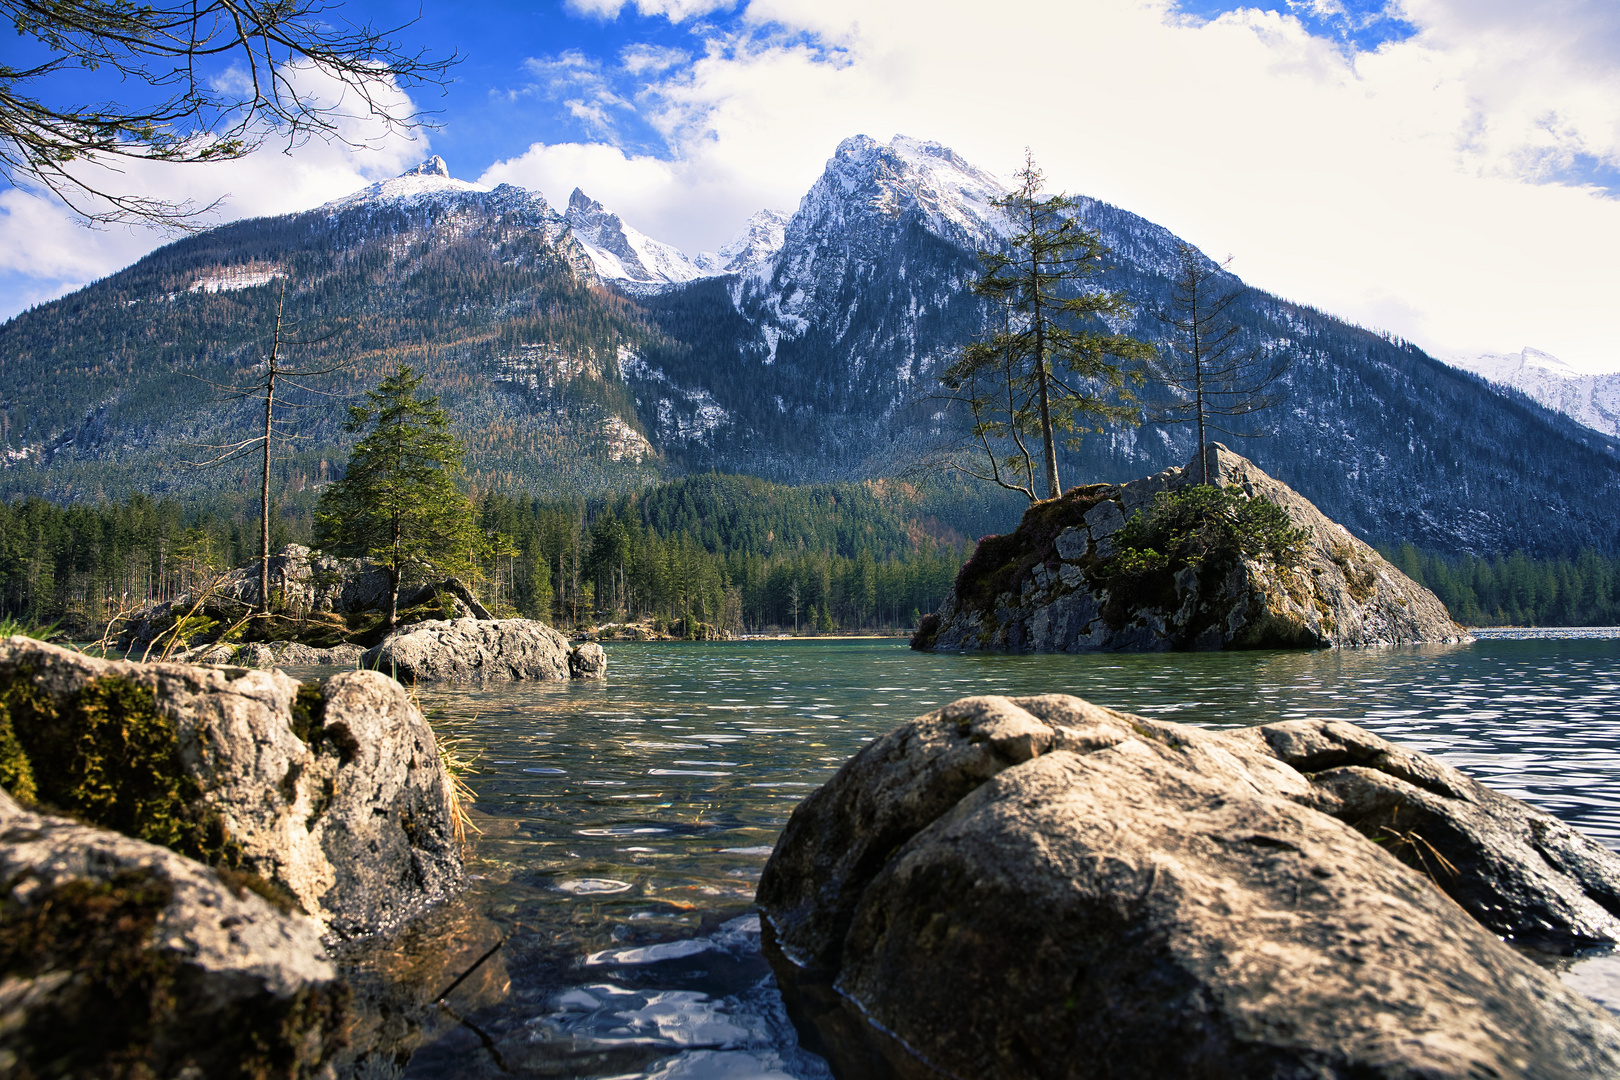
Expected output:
{"points": [[1055, 368], [397, 502], [1218, 381]]}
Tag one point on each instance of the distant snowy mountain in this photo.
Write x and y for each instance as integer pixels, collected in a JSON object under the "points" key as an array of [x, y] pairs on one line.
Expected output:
{"points": [[432, 177], [759, 241], [624, 254], [1592, 400]]}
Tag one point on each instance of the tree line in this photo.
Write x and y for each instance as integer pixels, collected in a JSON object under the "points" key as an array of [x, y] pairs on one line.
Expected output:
{"points": [[727, 552], [1516, 589], [668, 553]]}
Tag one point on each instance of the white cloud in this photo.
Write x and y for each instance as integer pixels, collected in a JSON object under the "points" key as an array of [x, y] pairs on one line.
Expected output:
{"points": [[674, 10], [651, 59], [45, 252], [1406, 188], [1432, 187]]}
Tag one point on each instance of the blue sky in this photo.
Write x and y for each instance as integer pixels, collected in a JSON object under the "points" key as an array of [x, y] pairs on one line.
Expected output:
{"points": [[1447, 170]]}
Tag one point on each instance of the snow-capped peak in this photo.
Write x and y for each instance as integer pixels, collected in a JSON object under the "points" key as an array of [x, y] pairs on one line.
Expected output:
{"points": [[1592, 400], [623, 253], [953, 195], [760, 240], [1503, 367], [432, 177]]}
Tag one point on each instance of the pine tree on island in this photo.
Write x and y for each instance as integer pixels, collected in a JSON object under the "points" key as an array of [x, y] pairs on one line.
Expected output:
{"points": [[1220, 378], [1054, 369], [398, 503]]}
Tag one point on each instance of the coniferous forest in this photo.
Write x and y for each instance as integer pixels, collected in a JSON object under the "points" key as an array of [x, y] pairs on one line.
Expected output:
{"points": [[730, 552]]}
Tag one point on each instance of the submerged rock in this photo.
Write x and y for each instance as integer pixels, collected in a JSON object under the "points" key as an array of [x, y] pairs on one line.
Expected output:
{"points": [[121, 958], [333, 793], [1039, 887], [477, 649], [1053, 586]]}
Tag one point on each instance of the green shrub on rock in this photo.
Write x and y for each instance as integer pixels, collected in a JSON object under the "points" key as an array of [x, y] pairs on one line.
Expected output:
{"points": [[1204, 526]]}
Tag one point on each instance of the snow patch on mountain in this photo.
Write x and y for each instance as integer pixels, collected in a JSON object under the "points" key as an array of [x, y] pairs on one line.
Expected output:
{"points": [[683, 415], [432, 177], [232, 278], [1591, 400]]}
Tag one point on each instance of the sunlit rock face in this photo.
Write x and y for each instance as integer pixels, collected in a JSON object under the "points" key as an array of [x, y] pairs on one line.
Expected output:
{"points": [[1048, 587], [484, 650], [1040, 887]]}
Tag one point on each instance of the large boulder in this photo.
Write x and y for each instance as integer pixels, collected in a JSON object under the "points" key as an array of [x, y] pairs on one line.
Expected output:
{"points": [[480, 649], [1039, 887], [310, 581], [121, 958], [331, 792], [1051, 586]]}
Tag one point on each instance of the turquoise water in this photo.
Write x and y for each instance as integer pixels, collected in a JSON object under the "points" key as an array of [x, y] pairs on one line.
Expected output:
{"points": [[626, 822]]}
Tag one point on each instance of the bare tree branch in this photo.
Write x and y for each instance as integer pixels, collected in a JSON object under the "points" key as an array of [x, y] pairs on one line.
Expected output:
{"points": [[182, 112]]}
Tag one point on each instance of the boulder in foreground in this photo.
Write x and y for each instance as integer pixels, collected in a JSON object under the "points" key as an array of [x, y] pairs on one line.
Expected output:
{"points": [[1059, 582], [121, 958], [333, 793], [488, 650], [1039, 887]]}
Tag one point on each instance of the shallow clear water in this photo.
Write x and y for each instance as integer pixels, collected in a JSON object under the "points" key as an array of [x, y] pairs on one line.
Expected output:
{"points": [[626, 822]]}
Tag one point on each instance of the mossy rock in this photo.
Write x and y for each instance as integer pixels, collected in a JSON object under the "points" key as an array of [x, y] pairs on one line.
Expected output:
{"points": [[109, 1001], [106, 755]]}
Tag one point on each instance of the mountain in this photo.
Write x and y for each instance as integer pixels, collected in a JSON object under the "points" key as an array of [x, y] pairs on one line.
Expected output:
{"points": [[118, 386], [626, 256], [432, 177], [581, 357], [1592, 400]]}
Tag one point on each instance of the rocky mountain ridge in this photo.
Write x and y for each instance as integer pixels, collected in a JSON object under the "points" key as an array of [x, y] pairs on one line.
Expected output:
{"points": [[808, 358]]}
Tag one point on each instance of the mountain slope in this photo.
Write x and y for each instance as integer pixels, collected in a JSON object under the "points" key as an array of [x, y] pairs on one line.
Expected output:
{"points": [[824, 366], [807, 350], [117, 386]]}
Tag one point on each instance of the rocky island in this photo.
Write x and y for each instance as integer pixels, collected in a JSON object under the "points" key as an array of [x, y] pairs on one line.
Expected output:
{"points": [[328, 611], [1059, 583]]}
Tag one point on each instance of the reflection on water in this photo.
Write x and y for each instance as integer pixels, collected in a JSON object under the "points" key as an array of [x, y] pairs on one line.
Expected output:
{"points": [[626, 822]]}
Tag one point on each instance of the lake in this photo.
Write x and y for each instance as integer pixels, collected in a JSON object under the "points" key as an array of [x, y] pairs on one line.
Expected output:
{"points": [[626, 822]]}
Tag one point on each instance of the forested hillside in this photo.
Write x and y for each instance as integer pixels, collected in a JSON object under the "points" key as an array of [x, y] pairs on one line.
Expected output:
{"points": [[116, 388], [729, 551]]}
